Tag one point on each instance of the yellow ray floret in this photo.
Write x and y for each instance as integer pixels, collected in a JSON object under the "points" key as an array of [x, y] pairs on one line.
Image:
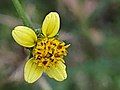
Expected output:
{"points": [[51, 24], [31, 71], [24, 36], [57, 71]]}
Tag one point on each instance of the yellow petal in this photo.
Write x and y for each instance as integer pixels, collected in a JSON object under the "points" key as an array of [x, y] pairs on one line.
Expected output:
{"points": [[58, 71], [51, 24], [32, 71], [24, 36]]}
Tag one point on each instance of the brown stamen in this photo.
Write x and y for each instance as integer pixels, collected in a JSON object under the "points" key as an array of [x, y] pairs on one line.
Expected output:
{"points": [[59, 47], [44, 62]]}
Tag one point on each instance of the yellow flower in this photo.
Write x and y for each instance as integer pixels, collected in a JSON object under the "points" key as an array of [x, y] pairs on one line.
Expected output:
{"points": [[47, 50]]}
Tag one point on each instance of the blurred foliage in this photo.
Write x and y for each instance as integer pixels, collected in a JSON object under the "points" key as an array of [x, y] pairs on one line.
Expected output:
{"points": [[92, 27]]}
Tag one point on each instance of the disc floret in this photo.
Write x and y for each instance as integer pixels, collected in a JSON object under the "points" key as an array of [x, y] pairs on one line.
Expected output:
{"points": [[49, 51]]}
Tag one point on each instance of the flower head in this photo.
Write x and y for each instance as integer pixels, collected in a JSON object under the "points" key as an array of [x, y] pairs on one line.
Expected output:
{"points": [[47, 50]]}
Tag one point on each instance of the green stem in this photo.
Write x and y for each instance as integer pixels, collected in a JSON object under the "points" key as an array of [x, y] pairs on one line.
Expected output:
{"points": [[22, 14]]}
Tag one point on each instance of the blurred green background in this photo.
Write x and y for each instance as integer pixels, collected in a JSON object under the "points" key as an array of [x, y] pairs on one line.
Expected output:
{"points": [[92, 27]]}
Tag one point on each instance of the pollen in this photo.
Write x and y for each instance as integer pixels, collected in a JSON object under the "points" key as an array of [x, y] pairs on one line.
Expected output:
{"points": [[48, 51]]}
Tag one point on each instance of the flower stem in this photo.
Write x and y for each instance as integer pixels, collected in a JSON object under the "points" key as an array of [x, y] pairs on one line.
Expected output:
{"points": [[22, 14]]}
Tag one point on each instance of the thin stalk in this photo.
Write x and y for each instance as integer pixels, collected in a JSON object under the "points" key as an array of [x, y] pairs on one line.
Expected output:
{"points": [[22, 14]]}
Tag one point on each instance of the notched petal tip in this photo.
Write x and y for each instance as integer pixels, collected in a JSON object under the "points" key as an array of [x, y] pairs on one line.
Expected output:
{"points": [[24, 36], [51, 24], [32, 72]]}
